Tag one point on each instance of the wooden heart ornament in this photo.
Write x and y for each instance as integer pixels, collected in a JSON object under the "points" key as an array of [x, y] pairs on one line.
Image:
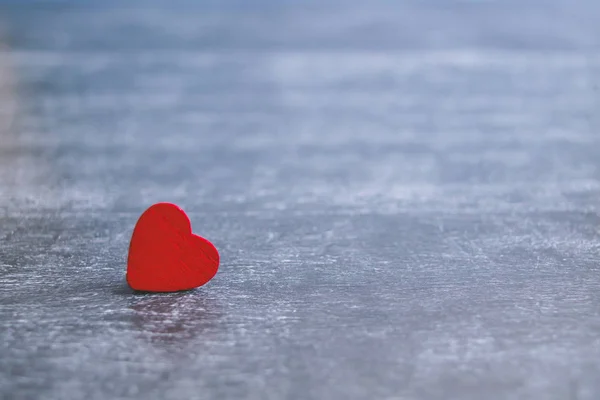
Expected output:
{"points": [[164, 254]]}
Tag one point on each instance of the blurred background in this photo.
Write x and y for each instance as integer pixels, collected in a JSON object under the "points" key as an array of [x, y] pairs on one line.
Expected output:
{"points": [[405, 195]]}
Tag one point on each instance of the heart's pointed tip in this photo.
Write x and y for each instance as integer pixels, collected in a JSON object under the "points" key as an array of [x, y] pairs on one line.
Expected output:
{"points": [[149, 287], [141, 291]]}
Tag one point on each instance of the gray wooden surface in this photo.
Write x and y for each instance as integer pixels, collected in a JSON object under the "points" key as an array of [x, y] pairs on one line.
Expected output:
{"points": [[406, 199]]}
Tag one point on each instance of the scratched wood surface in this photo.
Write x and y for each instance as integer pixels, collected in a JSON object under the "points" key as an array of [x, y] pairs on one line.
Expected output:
{"points": [[406, 199]]}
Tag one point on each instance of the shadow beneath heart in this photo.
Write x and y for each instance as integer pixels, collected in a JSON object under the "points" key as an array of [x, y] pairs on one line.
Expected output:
{"points": [[173, 320], [123, 289]]}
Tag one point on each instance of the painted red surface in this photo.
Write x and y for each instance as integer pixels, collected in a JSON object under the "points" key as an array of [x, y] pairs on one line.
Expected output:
{"points": [[164, 254]]}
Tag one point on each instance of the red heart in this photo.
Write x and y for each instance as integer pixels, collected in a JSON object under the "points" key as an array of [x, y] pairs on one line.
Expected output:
{"points": [[164, 254]]}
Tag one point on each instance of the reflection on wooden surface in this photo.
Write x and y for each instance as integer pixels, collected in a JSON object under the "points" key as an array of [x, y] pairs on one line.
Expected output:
{"points": [[176, 318]]}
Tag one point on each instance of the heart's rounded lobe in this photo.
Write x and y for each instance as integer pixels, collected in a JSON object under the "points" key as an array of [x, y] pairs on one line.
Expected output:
{"points": [[164, 254]]}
